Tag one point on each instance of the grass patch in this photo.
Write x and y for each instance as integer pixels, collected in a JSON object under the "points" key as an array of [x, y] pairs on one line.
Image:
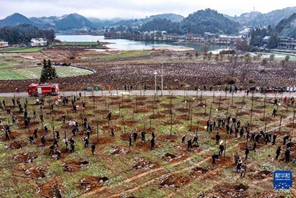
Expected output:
{"points": [[125, 54], [80, 43], [6, 63], [34, 73], [23, 50], [6, 74]]}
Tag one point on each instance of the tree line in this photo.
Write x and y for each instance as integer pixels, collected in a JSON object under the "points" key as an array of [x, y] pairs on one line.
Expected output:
{"points": [[23, 33]]}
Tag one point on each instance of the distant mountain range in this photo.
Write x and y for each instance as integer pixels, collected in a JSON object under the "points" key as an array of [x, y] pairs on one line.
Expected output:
{"points": [[198, 22], [76, 21], [138, 22], [258, 19]]}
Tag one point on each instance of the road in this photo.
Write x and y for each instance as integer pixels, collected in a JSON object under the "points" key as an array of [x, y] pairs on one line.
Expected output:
{"points": [[165, 93]]}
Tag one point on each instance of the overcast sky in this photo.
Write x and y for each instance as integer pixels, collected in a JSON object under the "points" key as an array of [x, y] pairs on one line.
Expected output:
{"points": [[107, 9]]}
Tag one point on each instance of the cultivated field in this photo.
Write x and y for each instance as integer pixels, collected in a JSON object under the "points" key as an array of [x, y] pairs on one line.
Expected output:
{"points": [[171, 169], [119, 170], [115, 69]]}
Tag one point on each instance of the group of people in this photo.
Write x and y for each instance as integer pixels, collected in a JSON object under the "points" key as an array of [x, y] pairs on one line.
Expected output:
{"points": [[232, 124], [134, 135]]}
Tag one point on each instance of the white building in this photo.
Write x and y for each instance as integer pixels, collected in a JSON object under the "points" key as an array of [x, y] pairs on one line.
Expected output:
{"points": [[38, 42], [3, 43]]}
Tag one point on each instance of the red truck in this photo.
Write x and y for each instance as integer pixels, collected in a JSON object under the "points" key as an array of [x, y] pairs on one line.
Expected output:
{"points": [[43, 89]]}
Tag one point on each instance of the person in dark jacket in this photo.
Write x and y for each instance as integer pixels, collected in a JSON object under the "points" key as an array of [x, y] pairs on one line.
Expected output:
{"points": [[278, 152]]}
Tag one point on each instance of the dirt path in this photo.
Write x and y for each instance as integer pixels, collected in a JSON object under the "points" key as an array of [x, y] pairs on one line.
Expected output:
{"points": [[179, 171]]}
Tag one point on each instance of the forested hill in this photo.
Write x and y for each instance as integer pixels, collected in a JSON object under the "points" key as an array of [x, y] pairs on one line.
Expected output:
{"points": [[287, 27], [24, 33], [73, 21], [139, 22], [14, 20], [208, 21], [162, 25], [197, 23]]}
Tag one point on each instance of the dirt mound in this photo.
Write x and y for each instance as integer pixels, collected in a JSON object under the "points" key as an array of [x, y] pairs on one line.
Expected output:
{"points": [[157, 116], [145, 146], [167, 105], [120, 150], [17, 145], [114, 98], [104, 140], [172, 97], [35, 172], [200, 170], [202, 114], [25, 157], [108, 128], [266, 119], [194, 128], [141, 110], [262, 175], [228, 190], [127, 106], [51, 189], [101, 122], [64, 152], [140, 103], [102, 112], [91, 183], [151, 107], [224, 162], [167, 138], [74, 166], [183, 117], [291, 125], [127, 100], [241, 187], [223, 136], [168, 122], [114, 103], [125, 136], [174, 158], [184, 147], [129, 122], [144, 164], [183, 110], [174, 180], [242, 113], [57, 112]]}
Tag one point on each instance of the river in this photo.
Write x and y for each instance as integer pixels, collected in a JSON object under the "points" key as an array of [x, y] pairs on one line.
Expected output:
{"points": [[124, 44]]}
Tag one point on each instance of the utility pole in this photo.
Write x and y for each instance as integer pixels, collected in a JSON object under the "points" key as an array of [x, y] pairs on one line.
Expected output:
{"points": [[161, 79]]}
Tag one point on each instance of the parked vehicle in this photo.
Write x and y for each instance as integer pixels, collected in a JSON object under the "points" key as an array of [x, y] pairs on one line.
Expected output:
{"points": [[43, 89]]}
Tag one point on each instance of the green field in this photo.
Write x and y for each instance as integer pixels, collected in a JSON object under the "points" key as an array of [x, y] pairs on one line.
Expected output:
{"points": [[125, 54], [6, 74], [22, 50], [6, 63], [80, 43], [34, 73]]}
